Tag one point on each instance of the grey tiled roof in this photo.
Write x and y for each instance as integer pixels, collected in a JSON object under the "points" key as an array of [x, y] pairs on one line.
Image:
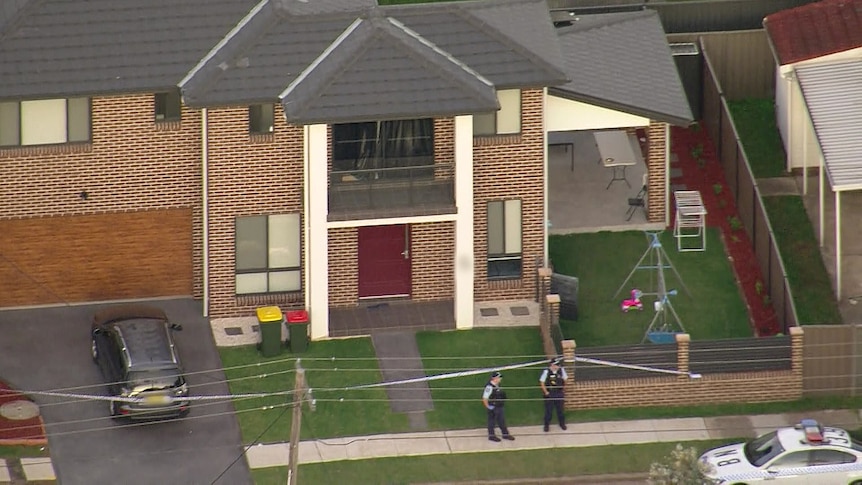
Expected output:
{"points": [[622, 61], [63, 47], [431, 50], [346, 84]]}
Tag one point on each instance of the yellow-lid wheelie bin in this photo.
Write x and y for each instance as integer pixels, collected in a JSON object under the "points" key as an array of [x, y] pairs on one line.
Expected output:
{"points": [[270, 320]]}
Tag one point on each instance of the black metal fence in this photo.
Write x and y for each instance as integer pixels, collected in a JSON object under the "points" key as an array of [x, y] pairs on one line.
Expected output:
{"points": [[705, 357], [719, 124]]}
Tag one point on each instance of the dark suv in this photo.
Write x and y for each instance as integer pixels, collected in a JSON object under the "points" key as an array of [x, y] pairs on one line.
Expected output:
{"points": [[135, 351]]}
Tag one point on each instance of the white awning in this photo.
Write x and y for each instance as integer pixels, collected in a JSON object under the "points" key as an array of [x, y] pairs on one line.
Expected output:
{"points": [[833, 94]]}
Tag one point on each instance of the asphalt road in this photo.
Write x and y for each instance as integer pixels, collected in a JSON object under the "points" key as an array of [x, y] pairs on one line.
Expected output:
{"points": [[49, 349]]}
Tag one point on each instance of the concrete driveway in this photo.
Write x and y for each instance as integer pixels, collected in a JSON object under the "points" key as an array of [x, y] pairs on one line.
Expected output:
{"points": [[49, 349]]}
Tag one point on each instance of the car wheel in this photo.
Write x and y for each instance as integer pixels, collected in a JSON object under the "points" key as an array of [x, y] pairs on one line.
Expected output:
{"points": [[856, 482], [94, 350]]}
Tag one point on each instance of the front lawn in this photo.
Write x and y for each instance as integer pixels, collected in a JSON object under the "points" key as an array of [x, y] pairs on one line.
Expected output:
{"points": [[602, 261]]}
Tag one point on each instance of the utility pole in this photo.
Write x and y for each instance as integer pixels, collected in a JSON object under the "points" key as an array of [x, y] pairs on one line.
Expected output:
{"points": [[301, 393]]}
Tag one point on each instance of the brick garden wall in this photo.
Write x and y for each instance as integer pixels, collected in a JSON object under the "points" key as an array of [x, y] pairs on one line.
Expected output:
{"points": [[765, 386]]}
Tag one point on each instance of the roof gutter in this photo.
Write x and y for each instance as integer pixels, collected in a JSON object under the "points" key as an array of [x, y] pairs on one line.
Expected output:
{"points": [[604, 103]]}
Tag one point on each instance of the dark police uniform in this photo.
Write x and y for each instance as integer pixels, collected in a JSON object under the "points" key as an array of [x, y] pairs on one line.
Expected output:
{"points": [[553, 381], [494, 399]]}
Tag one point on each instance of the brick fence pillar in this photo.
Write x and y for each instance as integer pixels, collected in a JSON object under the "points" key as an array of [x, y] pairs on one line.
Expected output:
{"points": [[797, 341], [569, 365], [550, 318], [683, 342], [544, 288]]}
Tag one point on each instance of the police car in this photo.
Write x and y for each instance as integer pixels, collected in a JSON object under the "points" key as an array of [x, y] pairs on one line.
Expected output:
{"points": [[807, 453]]}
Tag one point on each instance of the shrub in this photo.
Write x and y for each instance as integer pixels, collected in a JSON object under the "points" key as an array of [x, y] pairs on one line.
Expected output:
{"points": [[681, 466]]}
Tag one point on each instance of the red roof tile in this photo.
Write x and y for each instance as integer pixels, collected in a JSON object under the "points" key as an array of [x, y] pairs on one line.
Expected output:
{"points": [[815, 29]]}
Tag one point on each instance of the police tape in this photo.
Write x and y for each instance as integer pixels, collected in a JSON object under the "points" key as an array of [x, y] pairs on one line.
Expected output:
{"points": [[637, 367], [588, 360]]}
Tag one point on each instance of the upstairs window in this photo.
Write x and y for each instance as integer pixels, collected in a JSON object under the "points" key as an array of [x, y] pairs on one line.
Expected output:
{"points": [[268, 254], [504, 239], [167, 106], [260, 119], [383, 144], [506, 121], [44, 122]]}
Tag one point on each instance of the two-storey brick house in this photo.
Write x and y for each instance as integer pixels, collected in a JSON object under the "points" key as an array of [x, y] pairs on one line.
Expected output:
{"points": [[318, 154]]}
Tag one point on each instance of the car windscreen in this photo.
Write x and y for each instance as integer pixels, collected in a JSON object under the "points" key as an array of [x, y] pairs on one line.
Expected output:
{"points": [[762, 449], [156, 378]]}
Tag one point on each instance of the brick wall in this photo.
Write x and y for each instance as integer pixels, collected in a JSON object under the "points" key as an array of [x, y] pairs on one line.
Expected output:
{"points": [[132, 164], [433, 263], [763, 386], [512, 167], [343, 267], [248, 175], [656, 170]]}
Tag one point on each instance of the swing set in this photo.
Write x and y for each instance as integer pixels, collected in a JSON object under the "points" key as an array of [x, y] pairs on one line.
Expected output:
{"points": [[665, 323]]}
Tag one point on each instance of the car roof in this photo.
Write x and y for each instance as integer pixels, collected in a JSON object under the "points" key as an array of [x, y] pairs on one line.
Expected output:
{"points": [[793, 439], [147, 342]]}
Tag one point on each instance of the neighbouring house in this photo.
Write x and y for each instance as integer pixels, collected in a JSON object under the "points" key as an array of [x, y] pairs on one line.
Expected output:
{"points": [[816, 37], [322, 155], [818, 99]]}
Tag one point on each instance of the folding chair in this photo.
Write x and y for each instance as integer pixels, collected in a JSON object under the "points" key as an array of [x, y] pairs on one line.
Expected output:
{"points": [[638, 201]]}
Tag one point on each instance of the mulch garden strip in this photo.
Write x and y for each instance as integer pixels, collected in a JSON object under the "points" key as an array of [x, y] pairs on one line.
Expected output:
{"points": [[702, 171]]}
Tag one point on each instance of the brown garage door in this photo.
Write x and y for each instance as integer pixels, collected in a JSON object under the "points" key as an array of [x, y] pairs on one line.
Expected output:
{"points": [[95, 257]]}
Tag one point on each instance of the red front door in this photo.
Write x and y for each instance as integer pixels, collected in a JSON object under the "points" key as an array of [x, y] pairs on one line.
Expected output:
{"points": [[384, 261]]}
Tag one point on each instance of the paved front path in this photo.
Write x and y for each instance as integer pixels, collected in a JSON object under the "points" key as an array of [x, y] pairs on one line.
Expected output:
{"points": [[532, 437]]}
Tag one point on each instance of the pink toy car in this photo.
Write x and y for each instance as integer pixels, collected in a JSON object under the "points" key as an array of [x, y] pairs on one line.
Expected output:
{"points": [[633, 302]]}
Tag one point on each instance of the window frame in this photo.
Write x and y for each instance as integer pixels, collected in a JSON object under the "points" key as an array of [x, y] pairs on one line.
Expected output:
{"points": [[506, 98], [162, 103], [71, 127], [496, 261], [257, 118], [267, 270]]}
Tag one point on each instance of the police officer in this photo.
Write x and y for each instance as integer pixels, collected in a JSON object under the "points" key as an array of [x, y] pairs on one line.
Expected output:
{"points": [[494, 399], [553, 381]]}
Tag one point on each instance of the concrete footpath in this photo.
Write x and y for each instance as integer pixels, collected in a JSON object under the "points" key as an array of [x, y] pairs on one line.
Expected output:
{"points": [[532, 437]]}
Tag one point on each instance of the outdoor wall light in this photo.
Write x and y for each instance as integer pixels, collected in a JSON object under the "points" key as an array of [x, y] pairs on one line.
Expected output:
{"points": [[84, 195]]}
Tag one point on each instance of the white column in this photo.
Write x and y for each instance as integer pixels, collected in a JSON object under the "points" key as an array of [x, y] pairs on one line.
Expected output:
{"points": [[316, 234], [464, 264], [837, 244]]}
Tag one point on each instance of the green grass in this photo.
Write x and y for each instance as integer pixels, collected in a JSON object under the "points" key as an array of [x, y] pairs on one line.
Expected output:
{"points": [[330, 366], [559, 462], [602, 261], [809, 281], [457, 402], [23, 452], [755, 123]]}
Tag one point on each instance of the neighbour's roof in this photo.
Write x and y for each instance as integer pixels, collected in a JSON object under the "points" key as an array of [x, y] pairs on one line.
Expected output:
{"points": [[622, 61], [833, 94], [59, 48], [815, 29], [431, 59]]}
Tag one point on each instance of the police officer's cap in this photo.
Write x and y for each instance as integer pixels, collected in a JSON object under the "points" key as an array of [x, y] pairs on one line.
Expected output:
{"points": [[496, 374], [557, 361]]}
